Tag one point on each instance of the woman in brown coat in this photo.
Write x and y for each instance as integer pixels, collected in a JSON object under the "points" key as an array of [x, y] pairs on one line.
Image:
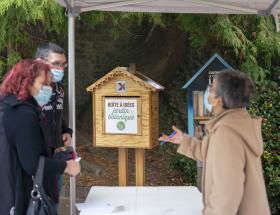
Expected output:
{"points": [[232, 180]]}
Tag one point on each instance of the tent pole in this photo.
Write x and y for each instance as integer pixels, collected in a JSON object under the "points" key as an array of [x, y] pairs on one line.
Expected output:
{"points": [[276, 20], [72, 98]]}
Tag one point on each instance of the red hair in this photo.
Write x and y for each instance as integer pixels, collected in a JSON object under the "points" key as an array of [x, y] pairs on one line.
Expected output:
{"points": [[18, 80]]}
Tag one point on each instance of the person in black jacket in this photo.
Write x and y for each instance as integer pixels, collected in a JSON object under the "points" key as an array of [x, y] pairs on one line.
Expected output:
{"points": [[57, 133], [24, 88]]}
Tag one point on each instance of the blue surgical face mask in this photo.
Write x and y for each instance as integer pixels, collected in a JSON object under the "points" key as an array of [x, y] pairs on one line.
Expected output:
{"points": [[57, 74], [207, 105], [44, 95]]}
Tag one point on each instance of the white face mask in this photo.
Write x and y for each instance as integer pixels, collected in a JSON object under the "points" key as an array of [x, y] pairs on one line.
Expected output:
{"points": [[207, 105], [57, 74], [44, 95]]}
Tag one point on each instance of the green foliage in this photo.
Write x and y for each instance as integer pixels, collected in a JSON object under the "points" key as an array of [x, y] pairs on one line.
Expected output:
{"points": [[197, 26], [266, 104], [126, 22], [250, 66], [23, 24], [266, 40], [117, 18], [93, 18], [274, 74], [155, 18], [251, 40], [12, 58], [232, 36], [187, 166], [260, 45]]}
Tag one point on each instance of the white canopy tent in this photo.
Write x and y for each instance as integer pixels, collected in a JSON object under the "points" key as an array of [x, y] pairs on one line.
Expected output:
{"points": [[263, 7], [75, 7]]}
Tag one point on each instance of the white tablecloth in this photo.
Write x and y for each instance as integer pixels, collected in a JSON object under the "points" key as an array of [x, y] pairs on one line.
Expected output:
{"points": [[175, 200]]}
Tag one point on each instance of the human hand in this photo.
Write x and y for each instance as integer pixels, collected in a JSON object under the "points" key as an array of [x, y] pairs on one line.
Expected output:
{"points": [[178, 138], [60, 149], [66, 137], [73, 168]]}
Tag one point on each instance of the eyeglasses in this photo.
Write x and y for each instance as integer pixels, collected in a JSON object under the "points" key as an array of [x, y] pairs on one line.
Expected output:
{"points": [[57, 64]]}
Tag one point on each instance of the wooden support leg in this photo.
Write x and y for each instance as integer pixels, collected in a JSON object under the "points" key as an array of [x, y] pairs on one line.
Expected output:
{"points": [[140, 166], [123, 166]]}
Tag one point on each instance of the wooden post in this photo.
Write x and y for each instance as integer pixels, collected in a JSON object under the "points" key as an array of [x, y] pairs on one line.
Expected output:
{"points": [[123, 166], [140, 166]]}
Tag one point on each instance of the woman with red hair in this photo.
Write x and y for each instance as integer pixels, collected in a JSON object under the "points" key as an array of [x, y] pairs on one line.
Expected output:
{"points": [[24, 89], [21, 77]]}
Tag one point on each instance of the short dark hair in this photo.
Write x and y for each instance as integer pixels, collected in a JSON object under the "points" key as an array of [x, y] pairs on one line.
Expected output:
{"points": [[235, 87], [45, 49]]}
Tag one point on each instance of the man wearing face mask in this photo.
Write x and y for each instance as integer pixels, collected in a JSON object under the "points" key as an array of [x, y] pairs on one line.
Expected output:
{"points": [[57, 133], [231, 150]]}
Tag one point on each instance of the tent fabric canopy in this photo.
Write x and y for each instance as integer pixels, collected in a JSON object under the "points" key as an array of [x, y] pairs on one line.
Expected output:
{"points": [[262, 7]]}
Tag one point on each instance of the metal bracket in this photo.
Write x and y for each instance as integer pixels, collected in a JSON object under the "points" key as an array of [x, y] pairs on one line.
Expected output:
{"points": [[269, 10], [72, 11], [272, 11]]}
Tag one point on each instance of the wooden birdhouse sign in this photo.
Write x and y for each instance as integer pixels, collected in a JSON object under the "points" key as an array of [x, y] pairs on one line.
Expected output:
{"points": [[125, 109]]}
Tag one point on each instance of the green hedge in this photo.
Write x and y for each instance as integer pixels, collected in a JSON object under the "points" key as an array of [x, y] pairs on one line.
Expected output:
{"points": [[267, 105], [185, 165]]}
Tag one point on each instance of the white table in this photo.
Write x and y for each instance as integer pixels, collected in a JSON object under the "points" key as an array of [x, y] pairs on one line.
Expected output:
{"points": [[175, 200]]}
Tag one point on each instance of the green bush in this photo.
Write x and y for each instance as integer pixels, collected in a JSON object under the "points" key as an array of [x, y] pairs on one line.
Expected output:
{"points": [[187, 166], [180, 163], [267, 105]]}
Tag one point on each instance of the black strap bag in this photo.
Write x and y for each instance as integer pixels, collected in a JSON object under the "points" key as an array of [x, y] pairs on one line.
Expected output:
{"points": [[40, 203]]}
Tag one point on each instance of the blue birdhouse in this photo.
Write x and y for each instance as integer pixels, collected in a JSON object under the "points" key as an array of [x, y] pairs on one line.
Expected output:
{"points": [[198, 83]]}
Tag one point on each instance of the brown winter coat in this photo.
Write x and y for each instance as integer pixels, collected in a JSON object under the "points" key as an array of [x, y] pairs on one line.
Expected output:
{"points": [[232, 180]]}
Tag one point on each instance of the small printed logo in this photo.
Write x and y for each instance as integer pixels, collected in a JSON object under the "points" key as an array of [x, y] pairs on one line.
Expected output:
{"points": [[121, 86], [121, 125]]}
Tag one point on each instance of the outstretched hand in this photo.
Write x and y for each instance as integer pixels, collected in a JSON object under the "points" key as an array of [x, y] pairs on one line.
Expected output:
{"points": [[178, 138]]}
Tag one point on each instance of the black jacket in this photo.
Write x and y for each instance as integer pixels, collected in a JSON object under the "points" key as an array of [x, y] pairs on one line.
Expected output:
{"points": [[53, 123], [20, 149]]}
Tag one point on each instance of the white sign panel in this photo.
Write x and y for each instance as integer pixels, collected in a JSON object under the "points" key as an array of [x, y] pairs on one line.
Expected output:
{"points": [[121, 115]]}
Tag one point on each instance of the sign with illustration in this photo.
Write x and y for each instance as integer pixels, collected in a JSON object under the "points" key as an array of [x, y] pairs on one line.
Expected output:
{"points": [[121, 115]]}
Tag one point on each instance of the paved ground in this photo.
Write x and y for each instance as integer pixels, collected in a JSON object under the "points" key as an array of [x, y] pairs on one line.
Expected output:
{"points": [[64, 206]]}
